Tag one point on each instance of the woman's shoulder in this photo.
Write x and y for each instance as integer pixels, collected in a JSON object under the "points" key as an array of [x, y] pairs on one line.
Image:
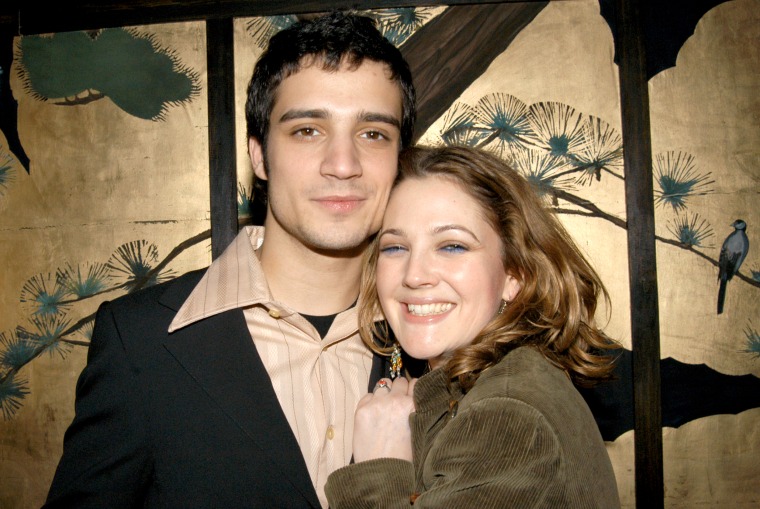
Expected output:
{"points": [[524, 375]]}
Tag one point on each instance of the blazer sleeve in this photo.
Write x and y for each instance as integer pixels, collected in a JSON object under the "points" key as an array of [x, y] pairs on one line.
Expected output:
{"points": [[498, 453], [105, 462]]}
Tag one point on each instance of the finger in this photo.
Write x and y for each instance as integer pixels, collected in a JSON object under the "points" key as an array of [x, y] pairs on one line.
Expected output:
{"points": [[410, 389], [400, 386]]}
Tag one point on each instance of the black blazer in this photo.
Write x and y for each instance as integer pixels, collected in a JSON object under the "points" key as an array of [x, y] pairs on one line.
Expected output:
{"points": [[181, 420]]}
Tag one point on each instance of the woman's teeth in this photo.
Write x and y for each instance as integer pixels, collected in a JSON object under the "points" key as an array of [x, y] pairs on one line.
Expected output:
{"points": [[428, 309]]}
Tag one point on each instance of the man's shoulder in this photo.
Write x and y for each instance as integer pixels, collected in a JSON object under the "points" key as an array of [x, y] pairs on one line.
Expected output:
{"points": [[173, 292], [143, 317]]}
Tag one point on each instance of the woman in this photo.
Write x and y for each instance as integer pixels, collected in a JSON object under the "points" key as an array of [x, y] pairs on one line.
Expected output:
{"points": [[475, 276]]}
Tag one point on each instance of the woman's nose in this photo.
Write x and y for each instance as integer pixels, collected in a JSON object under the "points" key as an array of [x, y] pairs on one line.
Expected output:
{"points": [[420, 271]]}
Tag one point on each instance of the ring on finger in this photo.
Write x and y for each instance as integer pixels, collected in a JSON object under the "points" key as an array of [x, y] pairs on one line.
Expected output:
{"points": [[382, 384]]}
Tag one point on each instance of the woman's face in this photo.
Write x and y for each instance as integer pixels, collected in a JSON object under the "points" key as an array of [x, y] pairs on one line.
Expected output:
{"points": [[440, 276]]}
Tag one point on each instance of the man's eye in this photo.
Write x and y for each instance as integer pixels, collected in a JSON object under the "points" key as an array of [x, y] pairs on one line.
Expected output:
{"points": [[375, 135], [306, 131]]}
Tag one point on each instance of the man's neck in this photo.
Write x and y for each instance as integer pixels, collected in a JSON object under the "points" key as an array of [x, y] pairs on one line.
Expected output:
{"points": [[308, 281]]}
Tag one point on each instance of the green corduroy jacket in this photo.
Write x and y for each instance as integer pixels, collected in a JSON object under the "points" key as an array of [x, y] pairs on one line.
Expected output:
{"points": [[522, 437]]}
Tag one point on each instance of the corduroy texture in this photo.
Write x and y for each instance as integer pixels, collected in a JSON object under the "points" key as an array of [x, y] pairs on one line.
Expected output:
{"points": [[522, 437]]}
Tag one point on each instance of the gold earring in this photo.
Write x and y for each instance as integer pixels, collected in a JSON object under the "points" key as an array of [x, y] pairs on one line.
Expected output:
{"points": [[396, 363], [503, 306]]}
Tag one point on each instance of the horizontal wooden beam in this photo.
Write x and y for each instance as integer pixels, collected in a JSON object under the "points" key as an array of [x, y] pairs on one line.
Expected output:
{"points": [[28, 18]]}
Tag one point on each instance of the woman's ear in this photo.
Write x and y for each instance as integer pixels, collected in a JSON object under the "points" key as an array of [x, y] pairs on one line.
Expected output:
{"points": [[512, 287], [255, 152]]}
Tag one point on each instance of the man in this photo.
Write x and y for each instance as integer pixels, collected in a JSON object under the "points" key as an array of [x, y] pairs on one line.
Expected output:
{"points": [[236, 386]]}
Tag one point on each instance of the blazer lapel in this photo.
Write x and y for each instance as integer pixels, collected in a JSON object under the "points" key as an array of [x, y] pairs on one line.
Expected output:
{"points": [[219, 354]]}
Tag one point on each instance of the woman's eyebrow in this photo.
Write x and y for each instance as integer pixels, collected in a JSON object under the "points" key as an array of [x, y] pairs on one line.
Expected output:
{"points": [[457, 227], [392, 231], [435, 231]]}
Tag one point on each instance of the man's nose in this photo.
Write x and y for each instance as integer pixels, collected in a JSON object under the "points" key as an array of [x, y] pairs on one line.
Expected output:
{"points": [[341, 158]]}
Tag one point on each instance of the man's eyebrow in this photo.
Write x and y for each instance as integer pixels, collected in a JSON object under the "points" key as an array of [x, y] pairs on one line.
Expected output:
{"points": [[380, 117], [296, 114], [321, 113]]}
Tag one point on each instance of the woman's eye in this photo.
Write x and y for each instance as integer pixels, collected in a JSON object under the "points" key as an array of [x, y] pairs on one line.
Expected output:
{"points": [[393, 249], [454, 248]]}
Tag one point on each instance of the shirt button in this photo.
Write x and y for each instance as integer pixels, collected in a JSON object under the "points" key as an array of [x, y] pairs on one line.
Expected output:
{"points": [[330, 432], [274, 313]]}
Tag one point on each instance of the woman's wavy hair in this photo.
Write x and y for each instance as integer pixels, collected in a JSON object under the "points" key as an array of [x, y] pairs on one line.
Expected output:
{"points": [[554, 310]]}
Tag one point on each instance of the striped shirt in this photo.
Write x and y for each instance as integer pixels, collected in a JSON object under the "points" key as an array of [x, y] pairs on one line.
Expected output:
{"points": [[318, 381]]}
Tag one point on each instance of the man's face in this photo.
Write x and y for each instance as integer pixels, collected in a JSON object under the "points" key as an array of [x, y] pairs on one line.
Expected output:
{"points": [[332, 154]]}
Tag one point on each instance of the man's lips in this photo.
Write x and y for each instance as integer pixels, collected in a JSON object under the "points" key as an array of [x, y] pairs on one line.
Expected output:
{"points": [[340, 203]]}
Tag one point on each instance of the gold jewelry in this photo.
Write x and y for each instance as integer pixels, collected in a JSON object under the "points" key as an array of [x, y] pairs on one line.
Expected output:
{"points": [[396, 362], [503, 306]]}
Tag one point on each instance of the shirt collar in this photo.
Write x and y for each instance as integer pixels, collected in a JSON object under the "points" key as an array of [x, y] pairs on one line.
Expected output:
{"points": [[234, 280]]}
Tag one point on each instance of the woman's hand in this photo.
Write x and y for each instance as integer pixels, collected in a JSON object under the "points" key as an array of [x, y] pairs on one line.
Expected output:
{"points": [[381, 423]]}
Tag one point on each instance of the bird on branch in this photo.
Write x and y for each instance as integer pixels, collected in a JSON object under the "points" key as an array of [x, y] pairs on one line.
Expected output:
{"points": [[732, 254]]}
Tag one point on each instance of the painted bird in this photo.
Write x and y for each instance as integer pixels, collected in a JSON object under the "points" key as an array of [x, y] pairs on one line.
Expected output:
{"points": [[732, 254]]}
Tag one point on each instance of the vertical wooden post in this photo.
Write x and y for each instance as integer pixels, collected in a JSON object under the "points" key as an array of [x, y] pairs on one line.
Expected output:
{"points": [[645, 326], [221, 133]]}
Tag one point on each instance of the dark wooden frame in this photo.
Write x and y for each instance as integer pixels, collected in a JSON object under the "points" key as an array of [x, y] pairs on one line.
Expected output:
{"points": [[26, 18], [642, 261]]}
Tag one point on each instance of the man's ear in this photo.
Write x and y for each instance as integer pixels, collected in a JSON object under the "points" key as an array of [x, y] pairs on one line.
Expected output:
{"points": [[256, 153], [512, 287]]}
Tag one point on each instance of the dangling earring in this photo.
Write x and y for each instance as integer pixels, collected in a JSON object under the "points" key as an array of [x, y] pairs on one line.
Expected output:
{"points": [[503, 306], [396, 363]]}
